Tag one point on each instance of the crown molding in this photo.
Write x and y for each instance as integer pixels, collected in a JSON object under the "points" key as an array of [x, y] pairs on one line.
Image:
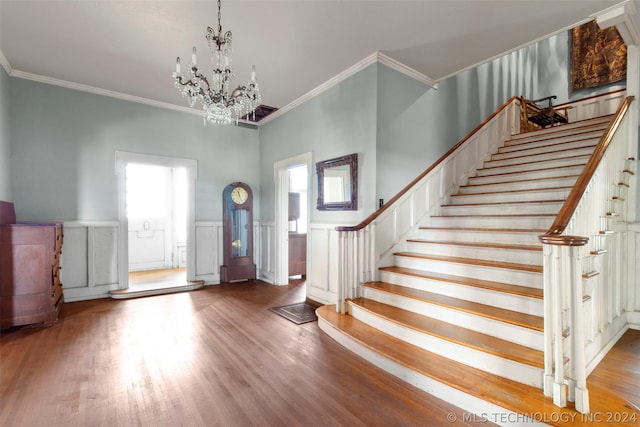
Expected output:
{"points": [[98, 91], [400, 67], [5, 64], [378, 57], [622, 16]]}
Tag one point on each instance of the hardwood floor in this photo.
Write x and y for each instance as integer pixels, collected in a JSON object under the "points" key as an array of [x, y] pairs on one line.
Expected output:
{"points": [[215, 356]]}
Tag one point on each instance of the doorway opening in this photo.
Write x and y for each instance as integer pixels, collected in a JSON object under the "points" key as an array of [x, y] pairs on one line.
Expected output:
{"points": [[156, 202], [156, 213], [297, 209], [292, 219]]}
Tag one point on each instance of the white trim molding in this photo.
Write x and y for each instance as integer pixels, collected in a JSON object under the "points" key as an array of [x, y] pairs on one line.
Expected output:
{"points": [[122, 158], [622, 16], [354, 69], [5, 63]]}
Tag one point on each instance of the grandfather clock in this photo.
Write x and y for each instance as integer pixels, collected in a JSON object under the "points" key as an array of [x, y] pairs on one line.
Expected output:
{"points": [[237, 233]]}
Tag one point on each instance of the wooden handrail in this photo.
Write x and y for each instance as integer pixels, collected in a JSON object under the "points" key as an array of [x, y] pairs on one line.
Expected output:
{"points": [[553, 235], [377, 213]]}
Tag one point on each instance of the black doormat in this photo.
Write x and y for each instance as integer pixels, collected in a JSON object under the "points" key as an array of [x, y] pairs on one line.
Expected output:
{"points": [[298, 313]]}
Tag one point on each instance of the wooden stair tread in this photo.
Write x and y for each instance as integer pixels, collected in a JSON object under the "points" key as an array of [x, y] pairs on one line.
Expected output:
{"points": [[529, 321], [524, 172], [586, 156], [480, 244], [497, 216], [468, 281], [512, 191], [505, 393], [452, 333], [546, 178], [549, 142], [472, 261], [489, 230], [562, 150], [525, 202], [581, 132]]}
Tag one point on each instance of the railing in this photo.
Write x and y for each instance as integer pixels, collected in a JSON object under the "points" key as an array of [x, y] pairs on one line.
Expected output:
{"points": [[590, 212], [370, 244]]}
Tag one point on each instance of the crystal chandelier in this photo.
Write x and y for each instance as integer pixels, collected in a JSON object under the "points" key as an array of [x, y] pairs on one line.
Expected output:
{"points": [[220, 105]]}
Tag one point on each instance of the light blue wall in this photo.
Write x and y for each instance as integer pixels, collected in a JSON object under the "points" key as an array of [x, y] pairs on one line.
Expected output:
{"points": [[416, 125], [339, 121], [63, 145], [5, 153]]}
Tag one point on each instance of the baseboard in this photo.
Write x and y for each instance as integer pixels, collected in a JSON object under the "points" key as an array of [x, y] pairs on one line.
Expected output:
{"points": [[633, 319]]}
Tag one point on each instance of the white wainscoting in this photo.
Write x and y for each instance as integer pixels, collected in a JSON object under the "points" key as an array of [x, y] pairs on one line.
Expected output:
{"points": [[264, 248], [633, 300], [208, 251], [89, 259], [322, 263], [90, 254]]}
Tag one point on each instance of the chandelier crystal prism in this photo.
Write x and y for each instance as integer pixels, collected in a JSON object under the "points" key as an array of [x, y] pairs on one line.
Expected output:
{"points": [[220, 105]]}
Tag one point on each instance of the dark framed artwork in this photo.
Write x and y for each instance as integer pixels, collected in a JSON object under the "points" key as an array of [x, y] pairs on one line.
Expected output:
{"points": [[598, 56]]}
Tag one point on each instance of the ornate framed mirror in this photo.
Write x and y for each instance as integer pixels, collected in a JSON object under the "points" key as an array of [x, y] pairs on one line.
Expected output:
{"points": [[338, 183]]}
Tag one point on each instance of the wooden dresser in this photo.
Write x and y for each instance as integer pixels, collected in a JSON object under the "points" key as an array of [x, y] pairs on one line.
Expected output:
{"points": [[30, 287]]}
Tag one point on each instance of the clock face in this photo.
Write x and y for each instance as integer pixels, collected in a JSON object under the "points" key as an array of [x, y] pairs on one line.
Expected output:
{"points": [[239, 195]]}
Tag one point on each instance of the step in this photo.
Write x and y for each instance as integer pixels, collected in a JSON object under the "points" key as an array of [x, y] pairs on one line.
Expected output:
{"points": [[525, 254], [513, 297], [542, 147], [587, 151], [559, 193], [520, 328], [509, 221], [530, 184], [469, 388], [474, 234], [560, 162], [553, 172], [481, 351], [558, 131], [549, 142], [537, 207], [511, 273]]}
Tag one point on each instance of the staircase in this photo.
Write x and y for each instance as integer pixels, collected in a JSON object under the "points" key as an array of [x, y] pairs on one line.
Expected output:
{"points": [[460, 314]]}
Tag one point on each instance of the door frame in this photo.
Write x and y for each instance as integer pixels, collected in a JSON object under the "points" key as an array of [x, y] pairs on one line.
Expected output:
{"points": [[281, 176], [122, 158]]}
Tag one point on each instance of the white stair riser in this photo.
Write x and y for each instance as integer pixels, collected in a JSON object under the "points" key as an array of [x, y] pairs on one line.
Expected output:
{"points": [[508, 301], [493, 221], [478, 252], [529, 151], [521, 176], [510, 196], [506, 237], [505, 275], [505, 208], [557, 163], [587, 138], [596, 123], [484, 325], [520, 185], [538, 157], [471, 357]]}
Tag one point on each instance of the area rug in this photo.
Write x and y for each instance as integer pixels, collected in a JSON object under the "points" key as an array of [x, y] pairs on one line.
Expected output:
{"points": [[297, 313]]}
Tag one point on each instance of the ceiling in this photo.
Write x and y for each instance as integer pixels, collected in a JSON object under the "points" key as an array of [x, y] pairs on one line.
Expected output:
{"points": [[130, 46]]}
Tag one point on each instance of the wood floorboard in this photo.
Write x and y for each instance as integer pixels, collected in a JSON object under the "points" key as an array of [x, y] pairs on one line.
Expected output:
{"points": [[212, 357]]}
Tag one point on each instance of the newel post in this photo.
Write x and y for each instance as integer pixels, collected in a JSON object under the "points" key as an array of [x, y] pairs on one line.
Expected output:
{"points": [[564, 321]]}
